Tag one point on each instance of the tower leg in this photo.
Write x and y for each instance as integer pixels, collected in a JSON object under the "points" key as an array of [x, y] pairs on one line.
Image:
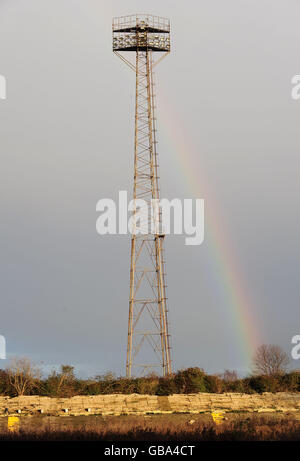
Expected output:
{"points": [[147, 322]]}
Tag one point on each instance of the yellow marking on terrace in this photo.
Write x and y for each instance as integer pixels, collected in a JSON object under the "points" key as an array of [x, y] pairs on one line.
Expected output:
{"points": [[217, 416], [13, 423]]}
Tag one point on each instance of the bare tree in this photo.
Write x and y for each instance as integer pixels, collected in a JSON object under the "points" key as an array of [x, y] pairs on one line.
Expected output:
{"points": [[22, 375], [107, 377], [230, 375], [270, 360], [66, 375]]}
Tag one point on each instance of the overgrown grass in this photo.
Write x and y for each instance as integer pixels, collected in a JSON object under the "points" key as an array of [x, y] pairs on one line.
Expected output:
{"points": [[191, 380]]}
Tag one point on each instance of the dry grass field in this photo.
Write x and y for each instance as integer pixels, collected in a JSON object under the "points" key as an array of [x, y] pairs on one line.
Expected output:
{"points": [[164, 428]]}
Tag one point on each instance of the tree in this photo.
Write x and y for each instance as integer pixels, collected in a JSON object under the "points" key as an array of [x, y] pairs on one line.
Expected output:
{"points": [[61, 383], [109, 376], [270, 360], [22, 375], [230, 375], [67, 372]]}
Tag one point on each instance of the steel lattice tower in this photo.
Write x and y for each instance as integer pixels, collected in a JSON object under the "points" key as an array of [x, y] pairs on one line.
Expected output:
{"points": [[148, 345]]}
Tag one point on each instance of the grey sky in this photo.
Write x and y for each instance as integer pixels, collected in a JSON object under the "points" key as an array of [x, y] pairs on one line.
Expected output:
{"points": [[67, 140]]}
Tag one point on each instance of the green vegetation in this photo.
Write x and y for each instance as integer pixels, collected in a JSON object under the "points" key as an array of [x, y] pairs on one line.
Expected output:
{"points": [[191, 380]]}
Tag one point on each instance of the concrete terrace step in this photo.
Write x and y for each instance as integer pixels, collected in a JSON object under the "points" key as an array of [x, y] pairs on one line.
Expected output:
{"points": [[143, 404]]}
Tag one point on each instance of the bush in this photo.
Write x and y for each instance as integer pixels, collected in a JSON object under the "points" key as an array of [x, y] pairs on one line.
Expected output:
{"points": [[265, 383], [189, 381], [147, 385], [239, 385], [166, 386], [291, 382], [5, 387], [214, 384]]}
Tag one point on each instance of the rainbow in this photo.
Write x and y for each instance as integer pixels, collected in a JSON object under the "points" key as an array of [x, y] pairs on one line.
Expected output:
{"points": [[237, 299]]}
